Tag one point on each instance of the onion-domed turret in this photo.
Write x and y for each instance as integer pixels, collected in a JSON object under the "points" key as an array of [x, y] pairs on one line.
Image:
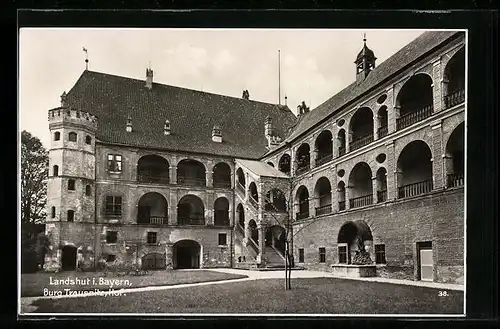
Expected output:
{"points": [[365, 62]]}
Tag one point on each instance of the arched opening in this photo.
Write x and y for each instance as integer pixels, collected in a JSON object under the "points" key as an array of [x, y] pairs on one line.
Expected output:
{"points": [[153, 261], [55, 171], [454, 80], [190, 211], [323, 194], [303, 159], [191, 172], [324, 147], [275, 200], [68, 258], [240, 180], [381, 185], [72, 137], [222, 175], [153, 169], [88, 140], [414, 174], [341, 142], [270, 163], [414, 101], [361, 127], [240, 211], [254, 232], [354, 243], [455, 157], [254, 195], [152, 209], [341, 195], [284, 164], [302, 202], [186, 254], [360, 186], [221, 212], [382, 117], [57, 136], [275, 238]]}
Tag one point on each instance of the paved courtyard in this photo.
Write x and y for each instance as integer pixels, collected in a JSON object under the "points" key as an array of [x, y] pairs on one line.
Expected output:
{"points": [[263, 293]]}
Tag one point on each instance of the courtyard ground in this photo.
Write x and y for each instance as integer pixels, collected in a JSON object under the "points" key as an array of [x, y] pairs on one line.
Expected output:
{"points": [[309, 295], [33, 284]]}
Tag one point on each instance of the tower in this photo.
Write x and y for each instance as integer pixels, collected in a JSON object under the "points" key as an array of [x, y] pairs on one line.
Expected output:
{"points": [[70, 187], [365, 62]]}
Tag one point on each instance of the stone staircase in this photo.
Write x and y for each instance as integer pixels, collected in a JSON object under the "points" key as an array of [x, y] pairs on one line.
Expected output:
{"points": [[274, 258]]}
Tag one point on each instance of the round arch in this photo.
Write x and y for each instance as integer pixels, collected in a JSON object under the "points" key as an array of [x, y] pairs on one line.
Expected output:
{"points": [[284, 164], [414, 169], [252, 188], [303, 158], [355, 240], [360, 185], [361, 128], [191, 210], [302, 202], [241, 177], [254, 232], [222, 175], [323, 196], [455, 157], [191, 172], [454, 79], [324, 147], [221, 212], [186, 254], [152, 168], [241, 215], [152, 208], [414, 100]]}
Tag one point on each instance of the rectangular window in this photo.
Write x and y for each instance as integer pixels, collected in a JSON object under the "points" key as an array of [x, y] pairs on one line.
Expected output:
{"points": [[151, 237], [71, 215], [114, 163], [343, 254], [301, 255], [322, 255], [71, 184], [113, 205], [222, 239], [110, 258], [111, 236], [380, 254]]}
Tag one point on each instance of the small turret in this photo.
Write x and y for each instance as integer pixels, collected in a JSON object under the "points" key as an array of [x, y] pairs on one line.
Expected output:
{"points": [[365, 62]]}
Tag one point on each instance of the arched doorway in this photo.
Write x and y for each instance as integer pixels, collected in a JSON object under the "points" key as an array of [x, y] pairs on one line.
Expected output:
{"points": [[68, 258], [302, 202], [354, 243], [254, 232], [153, 261], [186, 254], [275, 237]]}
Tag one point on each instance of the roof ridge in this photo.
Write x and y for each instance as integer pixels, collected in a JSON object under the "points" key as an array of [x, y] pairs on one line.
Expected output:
{"points": [[280, 106]]}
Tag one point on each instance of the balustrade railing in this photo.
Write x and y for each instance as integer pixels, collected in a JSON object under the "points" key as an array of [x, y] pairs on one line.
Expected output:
{"points": [[253, 245], [454, 98], [341, 205], [361, 201], [360, 142], [240, 229], [414, 117], [254, 202], [191, 220], [240, 187], [455, 180], [191, 181], [222, 184], [323, 159], [323, 210], [414, 189], [382, 131], [302, 169], [381, 196], [150, 177], [154, 220]]}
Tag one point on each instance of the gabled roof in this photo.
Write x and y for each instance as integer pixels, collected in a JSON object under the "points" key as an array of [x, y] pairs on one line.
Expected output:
{"points": [[192, 115], [401, 59]]}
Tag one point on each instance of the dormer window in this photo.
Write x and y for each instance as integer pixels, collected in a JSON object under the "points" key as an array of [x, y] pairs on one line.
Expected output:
{"points": [[217, 134]]}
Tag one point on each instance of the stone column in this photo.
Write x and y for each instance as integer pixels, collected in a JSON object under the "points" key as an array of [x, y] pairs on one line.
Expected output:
{"points": [[391, 172], [374, 189], [335, 146], [292, 162], [209, 178], [437, 94], [376, 125], [334, 193], [448, 168], [173, 174], [169, 254], [233, 179], [347, 196], [348, 139], [209, 209], [438, 171], [172, 208], [391, 111], [312, 158]]}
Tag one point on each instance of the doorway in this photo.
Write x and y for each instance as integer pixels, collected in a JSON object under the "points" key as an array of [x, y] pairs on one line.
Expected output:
{"points": [[187, 254], [68, 258], [425, 261]]}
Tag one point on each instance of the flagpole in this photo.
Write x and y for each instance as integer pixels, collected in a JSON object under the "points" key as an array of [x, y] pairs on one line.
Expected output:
{"points": [[279, 76]]}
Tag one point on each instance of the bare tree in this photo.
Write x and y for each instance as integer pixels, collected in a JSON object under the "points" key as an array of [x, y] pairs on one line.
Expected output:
{"points": [[34, 173]]}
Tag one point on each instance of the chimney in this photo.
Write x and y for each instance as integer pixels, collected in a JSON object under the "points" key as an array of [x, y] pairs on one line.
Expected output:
{"points": [[63, 99], [129, 124], [166, 128], [271, 136], [149, 78], [217, 134], [246, 95]]}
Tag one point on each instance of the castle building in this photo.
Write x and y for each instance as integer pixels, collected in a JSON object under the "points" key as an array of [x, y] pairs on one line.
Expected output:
{"points": [[155, 176]]}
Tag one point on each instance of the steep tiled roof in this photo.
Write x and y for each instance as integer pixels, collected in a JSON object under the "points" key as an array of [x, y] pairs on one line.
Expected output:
{"points": [[192, 115], [405, 56]]}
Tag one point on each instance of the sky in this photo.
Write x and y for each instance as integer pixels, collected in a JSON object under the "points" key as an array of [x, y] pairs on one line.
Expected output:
{"points": [[315, 64]]}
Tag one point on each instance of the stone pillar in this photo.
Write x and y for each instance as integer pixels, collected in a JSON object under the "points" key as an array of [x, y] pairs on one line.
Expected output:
{"points": [[348, 139], [172, 208], [374, 189], [391, 172], [312, 204], [334, 192], [209, 177], [437, 94], [448, 168], [312, 158], [392, 122], [336, 145], [347, 196], [437, 158], [292, 162], [391, 112], [169, 254], [261, 256], [173, 174], [233, 179], [209, 209], [376, 125]]}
